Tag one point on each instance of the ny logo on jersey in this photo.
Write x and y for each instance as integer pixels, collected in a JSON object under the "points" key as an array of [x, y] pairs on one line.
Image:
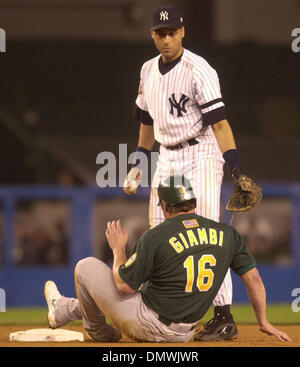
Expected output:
{"points": [[180, 106], [164, 15]]}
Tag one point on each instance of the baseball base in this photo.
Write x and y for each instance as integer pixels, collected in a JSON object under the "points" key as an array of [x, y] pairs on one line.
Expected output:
{"points": [[46, 335]]}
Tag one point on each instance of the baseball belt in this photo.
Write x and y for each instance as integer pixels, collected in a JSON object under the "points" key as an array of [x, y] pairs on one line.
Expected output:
{"points": [[178, 146], [168, 322]]}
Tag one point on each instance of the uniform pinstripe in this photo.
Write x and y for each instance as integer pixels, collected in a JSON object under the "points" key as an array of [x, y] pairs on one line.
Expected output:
{"points": [[194, 78], [195, 83]]}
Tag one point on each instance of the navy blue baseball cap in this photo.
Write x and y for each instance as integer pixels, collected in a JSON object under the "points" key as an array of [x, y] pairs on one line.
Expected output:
{"points": [[166, 16]]}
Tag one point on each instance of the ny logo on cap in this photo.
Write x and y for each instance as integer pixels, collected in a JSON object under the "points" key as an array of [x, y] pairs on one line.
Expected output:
{"points": [[164, 15]]}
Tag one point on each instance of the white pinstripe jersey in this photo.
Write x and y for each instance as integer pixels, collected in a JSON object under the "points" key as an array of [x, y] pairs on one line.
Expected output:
{"points": [[178, 100]]}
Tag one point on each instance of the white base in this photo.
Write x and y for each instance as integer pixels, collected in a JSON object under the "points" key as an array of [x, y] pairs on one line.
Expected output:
{"points": [[46, 335]]}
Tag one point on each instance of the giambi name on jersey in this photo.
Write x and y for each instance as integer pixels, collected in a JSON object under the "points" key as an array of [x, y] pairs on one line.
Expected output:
{"points": [[196, 237]]}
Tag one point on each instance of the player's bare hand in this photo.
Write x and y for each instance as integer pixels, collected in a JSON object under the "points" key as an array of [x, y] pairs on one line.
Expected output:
{"points": [[132, 181], [271, 330], [117, 236]]}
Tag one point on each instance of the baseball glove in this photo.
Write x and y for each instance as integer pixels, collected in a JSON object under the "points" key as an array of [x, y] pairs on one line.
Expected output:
{"points": [[246, 195]]}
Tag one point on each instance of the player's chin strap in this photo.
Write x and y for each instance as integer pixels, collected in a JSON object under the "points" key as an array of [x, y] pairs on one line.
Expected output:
{"points": [[231, 220]]}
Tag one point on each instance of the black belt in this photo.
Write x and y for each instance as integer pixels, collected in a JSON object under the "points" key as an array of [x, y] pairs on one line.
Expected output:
{"points": [[168, 322], [192, 141]]}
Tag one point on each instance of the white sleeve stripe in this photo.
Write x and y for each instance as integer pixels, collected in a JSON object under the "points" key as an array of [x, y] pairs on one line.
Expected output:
{"points": [[213, 107], [211, 103]]}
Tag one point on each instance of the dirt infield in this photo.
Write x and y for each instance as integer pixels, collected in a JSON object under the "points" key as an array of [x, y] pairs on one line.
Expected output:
{"points": [[249, 336]]}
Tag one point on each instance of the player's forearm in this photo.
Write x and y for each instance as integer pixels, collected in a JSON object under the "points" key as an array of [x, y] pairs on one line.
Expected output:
{"points": [[224, 135], [146, 137], [120, 258], [257, 294]]}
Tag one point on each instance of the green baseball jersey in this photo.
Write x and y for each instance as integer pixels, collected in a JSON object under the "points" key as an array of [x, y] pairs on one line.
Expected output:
{"points": [[180, 265]]}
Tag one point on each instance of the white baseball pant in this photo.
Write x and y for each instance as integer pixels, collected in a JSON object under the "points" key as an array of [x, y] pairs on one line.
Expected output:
{"points": [[202, 164]]}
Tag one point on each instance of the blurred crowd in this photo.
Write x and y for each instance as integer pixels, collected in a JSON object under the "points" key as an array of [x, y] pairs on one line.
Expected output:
{"points": [[42, 233], [267, 231], [42, 230]]}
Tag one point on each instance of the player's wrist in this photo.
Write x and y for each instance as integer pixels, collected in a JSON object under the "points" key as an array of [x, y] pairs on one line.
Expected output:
{"points": [[143, 150], [237, 172], [232, 160], [136, 158], [262, 321], [119, 255]]}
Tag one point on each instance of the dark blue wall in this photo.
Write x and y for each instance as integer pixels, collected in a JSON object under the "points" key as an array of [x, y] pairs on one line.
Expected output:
{"points": [[24, 286]]}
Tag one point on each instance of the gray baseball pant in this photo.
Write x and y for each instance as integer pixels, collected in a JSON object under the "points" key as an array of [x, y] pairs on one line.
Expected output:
{"points": [[98, 296]]}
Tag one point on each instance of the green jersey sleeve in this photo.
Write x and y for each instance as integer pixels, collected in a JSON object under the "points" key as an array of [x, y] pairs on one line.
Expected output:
{"points": [[139, 266], [242, 260]]}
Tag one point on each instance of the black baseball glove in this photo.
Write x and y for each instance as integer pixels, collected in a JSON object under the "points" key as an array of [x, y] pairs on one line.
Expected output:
{"points": [[246, 194]]}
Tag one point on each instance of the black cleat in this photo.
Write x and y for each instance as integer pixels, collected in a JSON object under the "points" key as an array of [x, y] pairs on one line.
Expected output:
{"points": [[220, 327]]}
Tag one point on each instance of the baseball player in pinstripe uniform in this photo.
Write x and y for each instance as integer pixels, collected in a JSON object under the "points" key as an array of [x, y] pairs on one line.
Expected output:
{"points": [[179, 104]]}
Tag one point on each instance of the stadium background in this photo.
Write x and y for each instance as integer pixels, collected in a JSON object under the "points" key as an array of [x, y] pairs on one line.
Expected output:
{"points": [[68, 81]]}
